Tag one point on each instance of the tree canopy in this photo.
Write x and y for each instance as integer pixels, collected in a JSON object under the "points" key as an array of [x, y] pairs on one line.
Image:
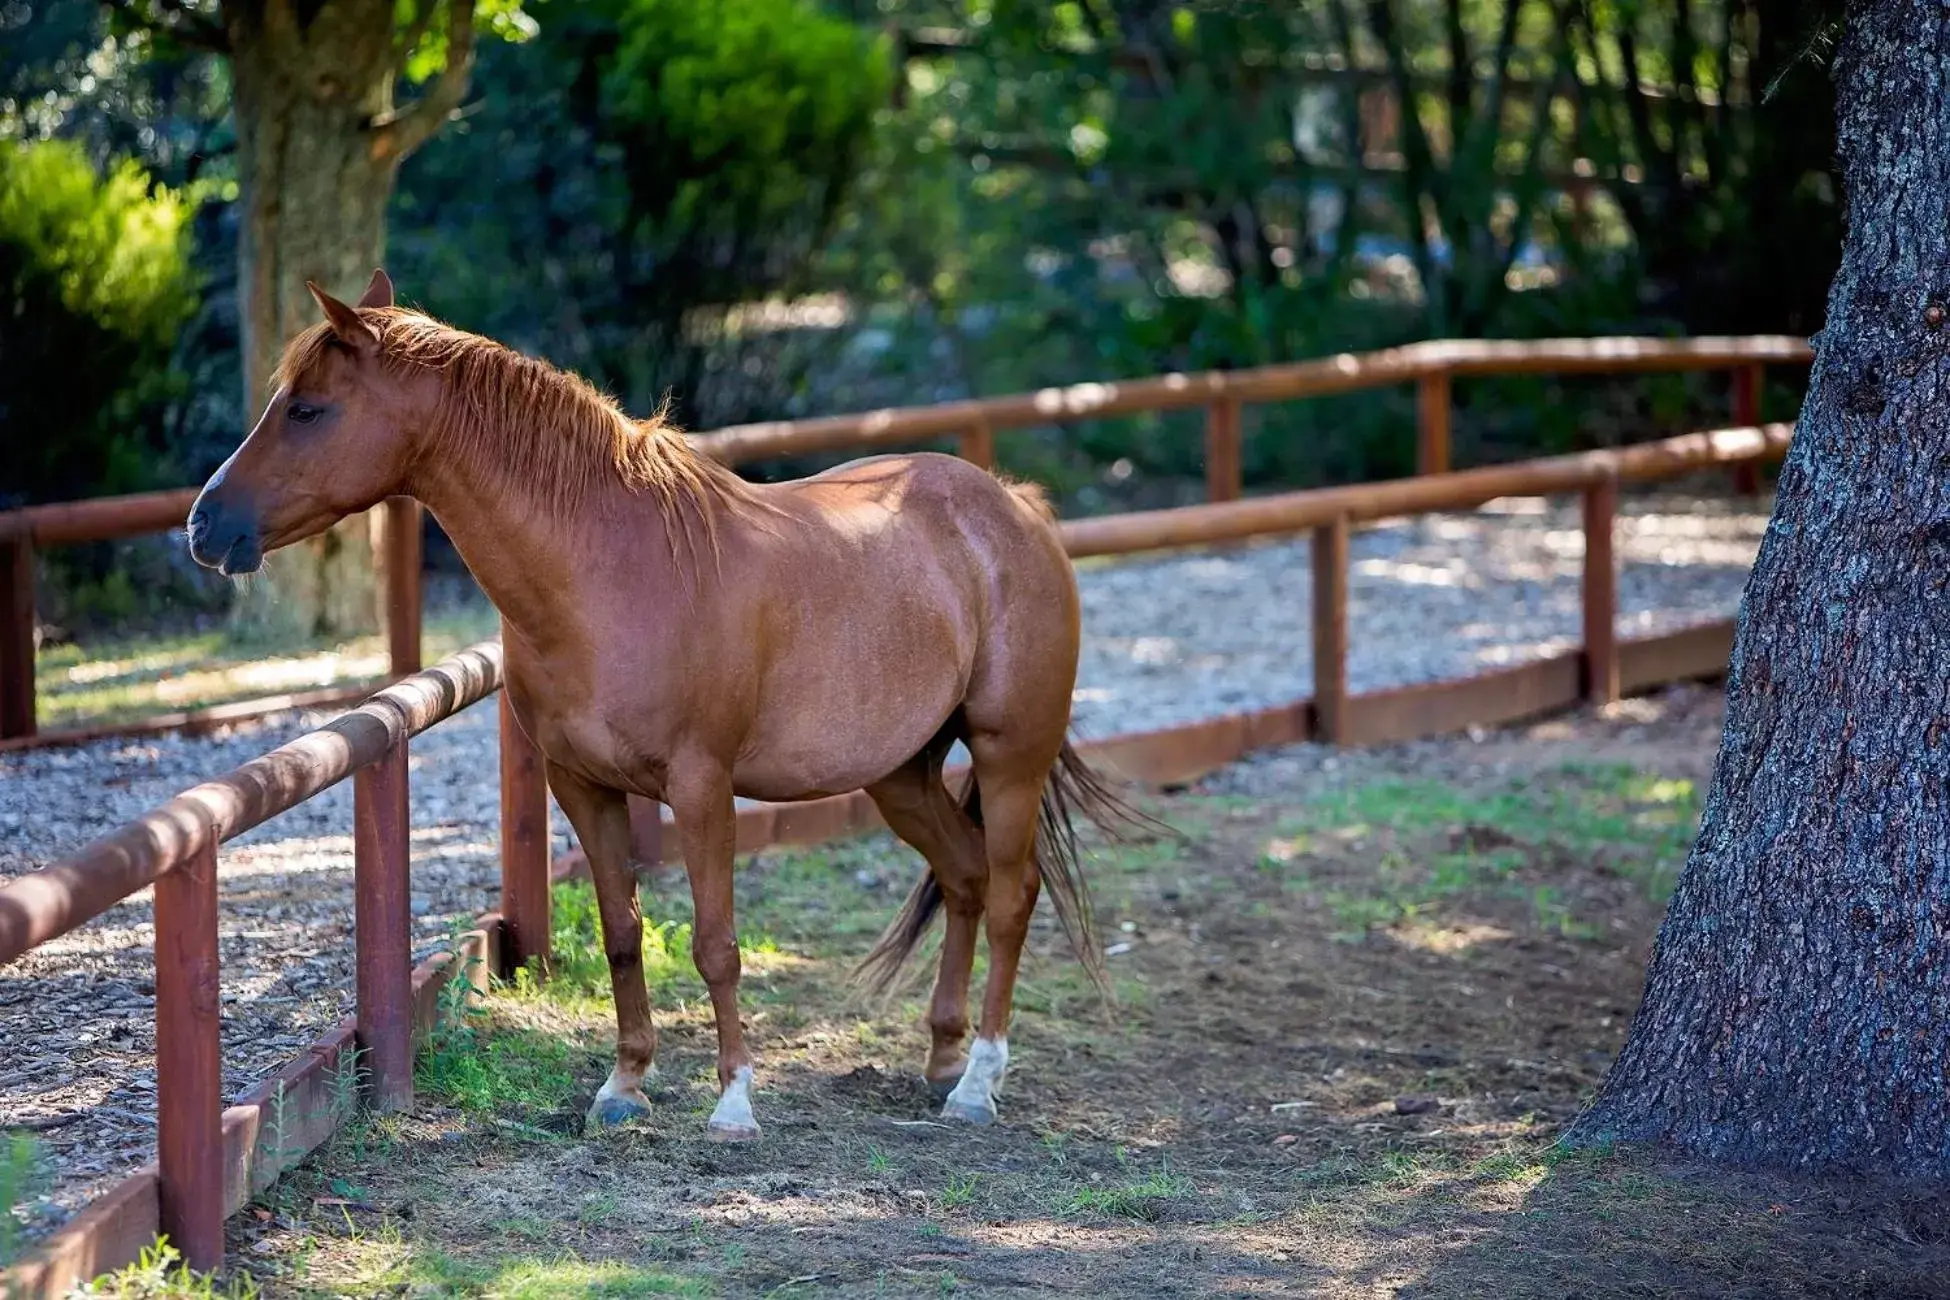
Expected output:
{"points": [[771, 208]]}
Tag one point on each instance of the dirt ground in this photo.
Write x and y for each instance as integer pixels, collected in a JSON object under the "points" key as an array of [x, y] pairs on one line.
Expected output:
{"points": [[1354, 1011]]}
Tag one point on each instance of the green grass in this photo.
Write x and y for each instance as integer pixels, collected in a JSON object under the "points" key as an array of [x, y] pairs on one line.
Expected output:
{"points": [[21, 1176], [1143, 1198], [563, 1277], [160, 1274], [1443, 842]]}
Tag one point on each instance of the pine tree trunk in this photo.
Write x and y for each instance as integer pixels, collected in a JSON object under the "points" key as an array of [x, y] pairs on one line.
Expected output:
{"points": [[1797, 1009], [313, 192]]}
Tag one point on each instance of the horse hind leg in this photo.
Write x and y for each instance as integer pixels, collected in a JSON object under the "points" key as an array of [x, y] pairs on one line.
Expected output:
{"points": [[918, 807], [1012, 783]]}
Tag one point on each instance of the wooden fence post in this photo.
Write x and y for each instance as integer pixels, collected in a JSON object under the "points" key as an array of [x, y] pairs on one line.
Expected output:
{"points": [[401, 539], [382, 905], [16, 636], [1330, 546], [524, 846], [1432, 407], [978, 445], [1747, 381], [189, 1061], [1224, 465], [1601, 685]]}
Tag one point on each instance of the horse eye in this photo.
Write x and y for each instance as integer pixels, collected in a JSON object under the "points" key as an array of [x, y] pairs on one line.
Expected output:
{"points": [[301, 413]]}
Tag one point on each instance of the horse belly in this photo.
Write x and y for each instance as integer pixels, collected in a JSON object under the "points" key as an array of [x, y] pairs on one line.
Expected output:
{"points": [[839, 749], [858, 698]]}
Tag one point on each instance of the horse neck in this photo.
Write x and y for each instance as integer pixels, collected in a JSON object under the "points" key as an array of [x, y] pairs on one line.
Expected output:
{"points": [[542, 566]]}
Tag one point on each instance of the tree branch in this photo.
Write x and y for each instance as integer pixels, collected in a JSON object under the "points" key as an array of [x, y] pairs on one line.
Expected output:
{"points": [[199, 31], [412, 125]]}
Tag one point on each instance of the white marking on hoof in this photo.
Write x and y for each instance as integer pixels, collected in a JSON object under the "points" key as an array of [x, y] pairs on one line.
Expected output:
{"points": [[973, 1099], [733, 1120], [618, 1101]]}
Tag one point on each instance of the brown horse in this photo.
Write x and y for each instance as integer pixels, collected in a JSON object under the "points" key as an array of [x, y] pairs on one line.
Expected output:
{"points": [[674, 632]]}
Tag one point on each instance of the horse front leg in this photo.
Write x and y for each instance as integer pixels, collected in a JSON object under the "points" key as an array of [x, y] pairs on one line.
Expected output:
{"points": [[707, 824], [602, 822]]}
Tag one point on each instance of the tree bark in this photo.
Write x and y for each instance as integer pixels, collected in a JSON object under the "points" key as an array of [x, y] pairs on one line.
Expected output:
{"points": [[1797, 1009], [318, 146]]}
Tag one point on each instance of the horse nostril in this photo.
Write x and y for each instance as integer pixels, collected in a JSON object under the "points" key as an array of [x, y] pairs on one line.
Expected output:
{"points": [[199, 521]]}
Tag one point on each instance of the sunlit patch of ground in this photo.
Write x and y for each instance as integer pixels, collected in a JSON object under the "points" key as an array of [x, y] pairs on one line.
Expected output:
{"points": [[105, 683]]}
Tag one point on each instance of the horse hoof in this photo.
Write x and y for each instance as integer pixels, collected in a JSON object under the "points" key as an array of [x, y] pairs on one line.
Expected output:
{"points": [[942, 1087], [617, 1109], [979, 1116], [719, 1131]]}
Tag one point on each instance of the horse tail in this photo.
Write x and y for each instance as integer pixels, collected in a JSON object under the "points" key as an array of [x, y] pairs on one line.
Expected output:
{"points": [[1073, 788], [1077, 788]]}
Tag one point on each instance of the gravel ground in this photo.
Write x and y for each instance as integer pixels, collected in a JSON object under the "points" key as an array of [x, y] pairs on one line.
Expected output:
{"points": [[1167, 641]]}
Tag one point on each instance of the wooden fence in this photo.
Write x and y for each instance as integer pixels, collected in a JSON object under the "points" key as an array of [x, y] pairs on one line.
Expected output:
{"points": [[212, 1159], [1431, 367]]}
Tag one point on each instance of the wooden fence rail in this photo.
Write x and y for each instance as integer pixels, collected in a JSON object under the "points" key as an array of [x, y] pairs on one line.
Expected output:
{"points": [[1431, 367]]}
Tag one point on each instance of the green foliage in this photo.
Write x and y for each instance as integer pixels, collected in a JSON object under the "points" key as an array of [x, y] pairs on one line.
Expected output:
{"points": [[20, 1178], [501, 19], [470, 1064], [159, 1274], [1002, 195], [640, 166], [580, 968], [94, 267]]}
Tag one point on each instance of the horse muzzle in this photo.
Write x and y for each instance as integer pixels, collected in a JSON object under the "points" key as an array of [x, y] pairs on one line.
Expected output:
{"points": [[224, 539]]}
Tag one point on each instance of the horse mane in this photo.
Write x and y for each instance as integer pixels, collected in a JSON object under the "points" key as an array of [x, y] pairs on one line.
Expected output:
{"points": [[542, 426]]}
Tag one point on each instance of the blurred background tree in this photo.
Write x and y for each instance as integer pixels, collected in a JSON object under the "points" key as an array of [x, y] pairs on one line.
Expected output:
{"points": [[770, 208]]}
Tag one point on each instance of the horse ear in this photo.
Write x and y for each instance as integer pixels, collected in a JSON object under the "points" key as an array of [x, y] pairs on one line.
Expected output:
{"points": [[379, 293], [352, 331]]}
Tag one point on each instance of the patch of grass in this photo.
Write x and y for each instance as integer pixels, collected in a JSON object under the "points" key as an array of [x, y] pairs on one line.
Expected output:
{"points": [[483, 1067], [1143, 1198], [564, 1277], [159, 1274], [1445, 841], [21, 1176], [959, 1191], [581, 969]]}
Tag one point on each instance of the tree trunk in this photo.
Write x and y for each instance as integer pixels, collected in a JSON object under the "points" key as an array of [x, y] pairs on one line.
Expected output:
{"points": [[1797, 1010], [316, 164]]}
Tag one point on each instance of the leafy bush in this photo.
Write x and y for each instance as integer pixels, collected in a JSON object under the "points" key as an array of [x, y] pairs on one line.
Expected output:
{"points": [[637, 164], [97, 277]]}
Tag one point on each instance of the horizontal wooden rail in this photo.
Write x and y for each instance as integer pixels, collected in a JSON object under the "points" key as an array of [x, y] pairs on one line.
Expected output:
{"points": [[102, 519], [1292, 512], [1320, 377], [54, 900]]}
